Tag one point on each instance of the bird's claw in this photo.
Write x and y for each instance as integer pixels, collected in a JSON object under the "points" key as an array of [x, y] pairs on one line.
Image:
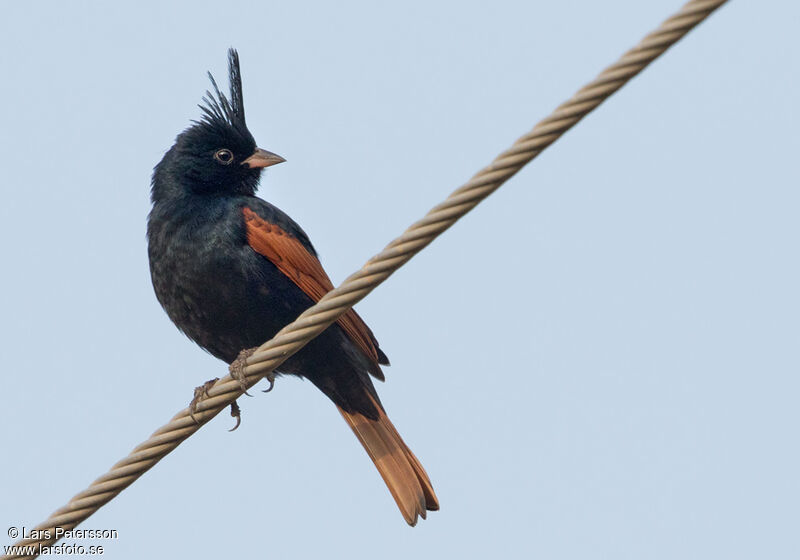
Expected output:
{"points": [[271, 378], [200, 393], [236, 412]]}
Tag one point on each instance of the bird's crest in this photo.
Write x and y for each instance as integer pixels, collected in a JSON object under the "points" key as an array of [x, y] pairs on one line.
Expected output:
{"points": [[217, 108]]}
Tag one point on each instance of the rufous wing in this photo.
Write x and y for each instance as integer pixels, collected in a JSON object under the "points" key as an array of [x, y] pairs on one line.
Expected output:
{"points": [[289, 255]]}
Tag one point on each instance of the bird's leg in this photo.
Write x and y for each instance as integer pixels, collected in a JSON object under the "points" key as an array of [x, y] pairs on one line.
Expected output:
{"points": [[236, 369], [199, 394]]}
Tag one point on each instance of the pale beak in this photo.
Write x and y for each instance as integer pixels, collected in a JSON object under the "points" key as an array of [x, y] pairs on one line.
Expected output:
{"points": [[262, 158]]}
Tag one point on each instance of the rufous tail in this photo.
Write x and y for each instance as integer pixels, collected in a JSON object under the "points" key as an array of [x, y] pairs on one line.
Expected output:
{"points": [[401, 470]]}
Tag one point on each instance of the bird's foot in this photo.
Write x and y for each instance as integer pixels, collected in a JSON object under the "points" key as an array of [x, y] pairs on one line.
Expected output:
{"points": [[200, 393], [236, 369]]}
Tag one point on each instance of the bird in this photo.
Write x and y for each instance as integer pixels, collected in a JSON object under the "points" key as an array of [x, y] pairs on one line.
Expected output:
{"points": [[230, 270]]}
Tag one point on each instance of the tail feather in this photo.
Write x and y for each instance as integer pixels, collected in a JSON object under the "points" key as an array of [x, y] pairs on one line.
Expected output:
{"points": [[401, 470], [431, 501]]}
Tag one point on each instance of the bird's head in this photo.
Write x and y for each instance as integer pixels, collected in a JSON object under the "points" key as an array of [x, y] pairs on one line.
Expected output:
{"points": [[217, 154]]}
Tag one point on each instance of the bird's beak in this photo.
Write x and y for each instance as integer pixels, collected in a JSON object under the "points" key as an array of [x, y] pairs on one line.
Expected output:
{"points": [[262, 158]]}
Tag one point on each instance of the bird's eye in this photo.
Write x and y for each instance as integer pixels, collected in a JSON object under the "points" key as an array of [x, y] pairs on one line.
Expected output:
{"points": [[225, 157]]}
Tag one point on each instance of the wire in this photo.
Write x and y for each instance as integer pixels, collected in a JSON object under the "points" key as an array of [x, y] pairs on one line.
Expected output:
{"points": [[318, 317]]}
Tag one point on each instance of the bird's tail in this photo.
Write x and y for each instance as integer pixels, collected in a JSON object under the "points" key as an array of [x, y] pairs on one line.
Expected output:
{"points": [[401, 470]]}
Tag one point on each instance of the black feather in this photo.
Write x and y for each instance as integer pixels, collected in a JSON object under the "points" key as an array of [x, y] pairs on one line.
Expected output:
{"points": [[217, 108], [235, 76]]}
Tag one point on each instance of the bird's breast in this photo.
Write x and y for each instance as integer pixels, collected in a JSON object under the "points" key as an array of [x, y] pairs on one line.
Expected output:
{"points": [[213, 286]]}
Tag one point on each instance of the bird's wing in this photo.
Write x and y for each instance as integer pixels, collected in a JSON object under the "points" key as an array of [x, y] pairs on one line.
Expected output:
{"points": [[289, 255]]}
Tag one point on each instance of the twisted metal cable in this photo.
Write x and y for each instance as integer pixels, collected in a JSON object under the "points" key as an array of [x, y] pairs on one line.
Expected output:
{"points": [[318, 317]]}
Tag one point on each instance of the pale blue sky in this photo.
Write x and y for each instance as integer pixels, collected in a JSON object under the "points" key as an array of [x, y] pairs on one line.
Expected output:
{"points": [[601, 361]]}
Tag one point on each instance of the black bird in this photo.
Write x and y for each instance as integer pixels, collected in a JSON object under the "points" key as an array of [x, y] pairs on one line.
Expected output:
{"points": [[231, 270]]}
